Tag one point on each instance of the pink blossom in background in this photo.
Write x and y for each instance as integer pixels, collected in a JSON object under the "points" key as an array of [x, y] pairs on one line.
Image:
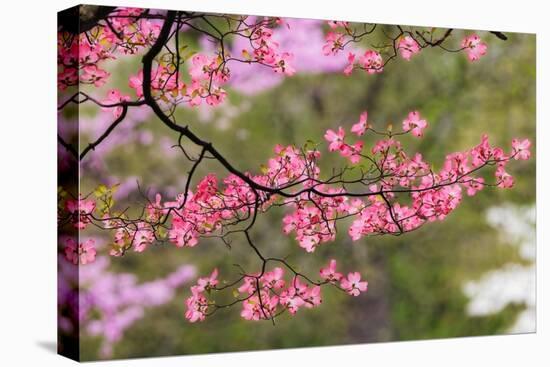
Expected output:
{"points": [[125, 133], [125, 186], [66, 128], [65, 160], [109, 303], [83, 253]]}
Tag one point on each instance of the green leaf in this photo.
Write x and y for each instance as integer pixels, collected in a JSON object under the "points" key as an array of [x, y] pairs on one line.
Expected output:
{"points": [[162, 232], [101, 190], [188, 55], [310, 145]]}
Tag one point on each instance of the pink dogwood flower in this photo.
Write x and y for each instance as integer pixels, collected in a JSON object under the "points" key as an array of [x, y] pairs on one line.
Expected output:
{"points": [[197, 306], [209, 282], [352, 152], [408, 47], [351, 64], [254, 309], [312, 298], [474, 185], [353, 284], [80, 211], [274, 279], [333, 24], [136, 83], [283, 64], [474, 47], [200, 67], [505, 180], [371, 62], [482, 152], [520, 149], [360, 127], [115, 97], [414, 124], [94, 75], [334, 43], [335, 139], [83, 253], [329, 273]]}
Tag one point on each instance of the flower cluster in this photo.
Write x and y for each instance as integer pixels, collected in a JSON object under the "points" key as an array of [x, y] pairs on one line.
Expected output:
{"points": [[337, 38], [351, 283], [207, 74], [337, 143], [313, 219], [334, 43], [80, 57], [265, 50], [408, 47], [371, 62], [304, 39], [266, 295], [402, 192], [317, 205], [406, 44], [197, 303]]}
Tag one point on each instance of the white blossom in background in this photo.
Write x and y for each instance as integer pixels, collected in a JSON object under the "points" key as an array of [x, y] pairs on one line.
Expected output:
{"points": [[513, 283]]}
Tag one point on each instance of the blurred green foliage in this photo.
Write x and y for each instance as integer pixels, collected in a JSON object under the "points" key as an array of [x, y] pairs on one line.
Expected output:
{"points": [[414, 280]]}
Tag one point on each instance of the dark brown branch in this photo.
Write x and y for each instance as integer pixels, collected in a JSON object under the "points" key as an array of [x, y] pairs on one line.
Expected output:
{"points": [[67, 146], [500, 35], [105, 134]]}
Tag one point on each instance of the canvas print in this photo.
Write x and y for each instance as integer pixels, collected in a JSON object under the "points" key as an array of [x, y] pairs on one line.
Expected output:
{"points": [[239, 182]]}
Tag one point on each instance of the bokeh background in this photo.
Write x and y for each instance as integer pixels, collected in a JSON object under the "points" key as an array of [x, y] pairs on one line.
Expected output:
{"points": [[472, 274]]}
